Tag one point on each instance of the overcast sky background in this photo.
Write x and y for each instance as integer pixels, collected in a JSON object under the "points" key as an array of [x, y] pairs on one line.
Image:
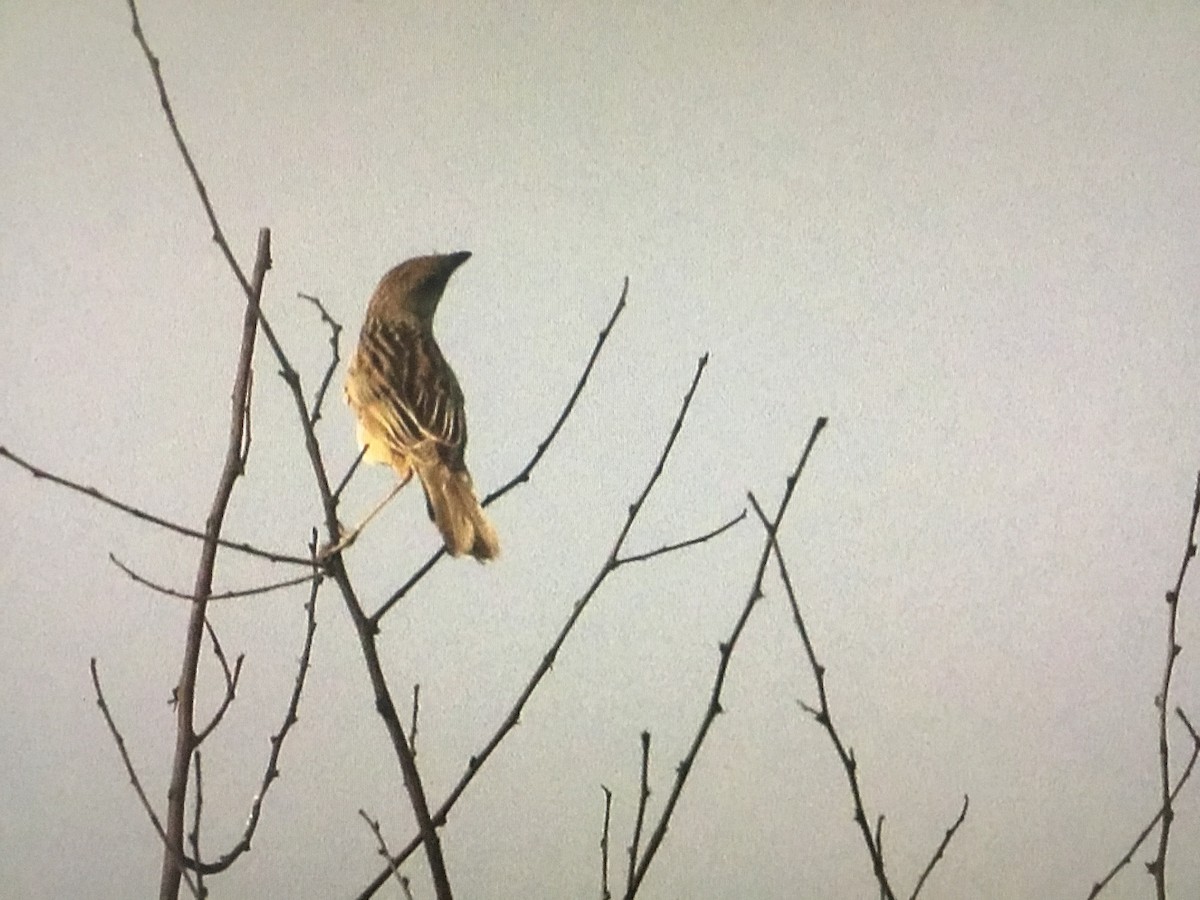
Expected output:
{"points": [[965, 232]]}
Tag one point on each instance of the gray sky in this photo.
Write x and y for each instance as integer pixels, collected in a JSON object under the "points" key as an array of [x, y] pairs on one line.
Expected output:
{"points": [[964, 232]]}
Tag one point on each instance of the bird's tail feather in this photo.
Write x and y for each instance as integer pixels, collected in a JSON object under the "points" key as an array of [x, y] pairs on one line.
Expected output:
{"points": [[455, 510]]}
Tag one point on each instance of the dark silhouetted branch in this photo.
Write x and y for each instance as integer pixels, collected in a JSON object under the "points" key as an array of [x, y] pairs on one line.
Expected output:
{"points": [[119, 740], [146, 516], [938, 853], [640, 819], [217, 595], [726, 649], [1100, 885], [605, 893], [373, 824], [335, 333], [610, 565], [1158, 866]]}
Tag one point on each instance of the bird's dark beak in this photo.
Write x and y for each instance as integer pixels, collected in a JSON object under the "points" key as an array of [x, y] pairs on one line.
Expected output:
{"points": [[454, 260]]}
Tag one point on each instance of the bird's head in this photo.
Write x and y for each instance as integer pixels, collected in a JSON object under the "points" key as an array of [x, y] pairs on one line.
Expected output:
{"points": [[415, 286]]}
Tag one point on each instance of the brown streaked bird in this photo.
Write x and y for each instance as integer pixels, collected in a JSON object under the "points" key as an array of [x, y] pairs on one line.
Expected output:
{"points": [[409, 405]]}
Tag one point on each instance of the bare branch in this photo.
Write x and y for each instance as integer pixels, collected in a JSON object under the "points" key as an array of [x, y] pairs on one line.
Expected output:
{"points": [[824, 717], [220, 595], [879, 844], [726, 653], [119, 740], [231, 683], [611, 564], [523, 476], [194, 834], [373, 824], [643, 799], [416, 708], [938, 853], [337, 492], [185, 734], [605, 893], [1145, 832], [146, 516], [680, 545], [1158, 866], [335, 333], [290, 718], [217, 234]]}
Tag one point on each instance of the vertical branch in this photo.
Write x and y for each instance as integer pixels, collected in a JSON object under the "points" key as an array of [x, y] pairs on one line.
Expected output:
{"points": [[605, 893], [185, 729], [194, 836], [1158, 866], [643, 798]]}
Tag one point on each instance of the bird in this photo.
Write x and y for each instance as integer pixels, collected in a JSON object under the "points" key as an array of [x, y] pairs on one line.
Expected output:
{"points": [[409, 405]]}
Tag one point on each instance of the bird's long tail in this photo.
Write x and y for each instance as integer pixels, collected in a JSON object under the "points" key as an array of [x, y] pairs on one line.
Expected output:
{"points": [[455, 510]]}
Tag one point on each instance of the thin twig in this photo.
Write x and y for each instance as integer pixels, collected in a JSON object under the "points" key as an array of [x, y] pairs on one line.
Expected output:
{"points": [[639, 822], [726, 649], [879, 844], [373, 824], [416, 708], [290, 718], [217, 234], [1158, 866], [247, 439], [680, 545], [337, 492], [119, 740], [1145, 832], [219, 595], [937, 854], [194, 834], [232, 676], [605, 893], [335, 333], [522, 476], [822, 714], [144, 516]]}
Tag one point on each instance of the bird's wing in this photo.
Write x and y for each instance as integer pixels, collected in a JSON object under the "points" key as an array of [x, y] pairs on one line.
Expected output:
{"points": [[403, 382]]}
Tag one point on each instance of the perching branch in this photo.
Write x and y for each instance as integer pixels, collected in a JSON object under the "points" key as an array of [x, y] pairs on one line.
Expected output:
{"points": [[218, 595], [137, 513]]}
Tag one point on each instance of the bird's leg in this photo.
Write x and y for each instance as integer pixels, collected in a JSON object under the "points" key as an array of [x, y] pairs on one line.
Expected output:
{"points": [[349, 537]]}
